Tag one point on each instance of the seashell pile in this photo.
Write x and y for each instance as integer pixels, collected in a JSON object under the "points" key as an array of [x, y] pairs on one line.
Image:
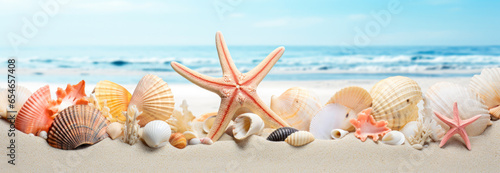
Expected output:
{"points": [[297, 106], [21, 95], [247, 124], [487, 85], [178, 140], [281, 134], [156, 134], [299, 138]]}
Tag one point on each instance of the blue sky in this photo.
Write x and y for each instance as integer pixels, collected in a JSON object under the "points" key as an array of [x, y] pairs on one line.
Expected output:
{"points": [[254, 22]]}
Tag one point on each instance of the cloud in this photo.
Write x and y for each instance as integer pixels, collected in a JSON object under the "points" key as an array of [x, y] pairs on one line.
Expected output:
{"points": [[288, 21]]}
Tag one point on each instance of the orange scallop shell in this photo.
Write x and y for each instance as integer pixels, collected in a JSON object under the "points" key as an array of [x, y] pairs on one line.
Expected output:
{"points": [[34, 116]]}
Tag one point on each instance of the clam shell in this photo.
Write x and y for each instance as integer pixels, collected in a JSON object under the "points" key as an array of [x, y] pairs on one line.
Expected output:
{"points": [[281, 134], [154, 98], [297, 106], [300, 138], [115, 130], [247, 124], [443, 95], [338, 133], [178, 140], [117, 98], [395, 100], [332, 116], [77, 125], [355, 98], [394, 138], [156, 133], [487, 85], [208, 123], [21, 96], [34, 116]]}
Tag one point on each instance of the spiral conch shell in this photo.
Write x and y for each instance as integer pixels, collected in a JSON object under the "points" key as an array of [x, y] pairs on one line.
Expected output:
{"points": [[395, 100], [247, 124], [487, 85], [300, 138], [297, 106], [338, 133]]}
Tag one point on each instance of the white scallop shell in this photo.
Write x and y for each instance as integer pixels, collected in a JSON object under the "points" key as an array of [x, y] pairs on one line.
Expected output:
{"points": [[156, 133], [332, 116], [443, 95], [297, 106], [338, 133], [207, 124], [299, 138], [115, 130], [394, 138], [247, 124], [487, 85]]}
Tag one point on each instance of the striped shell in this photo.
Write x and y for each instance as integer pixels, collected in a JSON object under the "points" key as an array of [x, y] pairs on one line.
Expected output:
{"points": [[395, 100], [300, 138], [35, 116], [77, 125], [178, 140], [355, 98], [281, 134], [487, 85], [153, 98], [297, 106], [117, 98], [21, 96], [156, 133]]}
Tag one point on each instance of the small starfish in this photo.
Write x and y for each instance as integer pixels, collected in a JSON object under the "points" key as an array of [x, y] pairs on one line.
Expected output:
{"points": [[236, 90], [366, 126], [457, 125]]}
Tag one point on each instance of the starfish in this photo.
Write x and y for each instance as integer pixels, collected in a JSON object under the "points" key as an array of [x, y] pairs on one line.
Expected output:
{"points": [[237, 90], [457, 125]]}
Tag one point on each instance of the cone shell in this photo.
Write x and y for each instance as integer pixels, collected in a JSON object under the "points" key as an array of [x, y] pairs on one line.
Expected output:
{"points": [[115, 130], [34, 116], [77, 125], [338, 133], [487, 85], [297, 106], [21, 96], [281, 134], [332, 116], [117, 98], [154, 98], [247, 124], [443, 95], [395, 100], [156, 133], [208, 123], [178, 140], [394, 138], [300, 138], [355, 98]]}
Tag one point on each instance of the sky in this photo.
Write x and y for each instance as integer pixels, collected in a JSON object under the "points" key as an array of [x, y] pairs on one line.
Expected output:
{"points": [[250, 22]]}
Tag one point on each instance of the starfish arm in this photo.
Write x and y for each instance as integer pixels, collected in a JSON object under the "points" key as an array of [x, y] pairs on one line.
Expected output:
{"points": [[466, 122], [464, 136], [260, 108], [204, 81], [226, 112], [448, 135], [226, 62], [255, 76], [445, 119]]}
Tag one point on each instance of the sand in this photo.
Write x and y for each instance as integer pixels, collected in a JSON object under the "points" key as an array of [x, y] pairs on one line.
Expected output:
{"points": [[255, 154]]}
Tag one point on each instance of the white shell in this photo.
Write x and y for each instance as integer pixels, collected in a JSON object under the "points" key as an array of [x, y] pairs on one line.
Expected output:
{"points": [[115, 130], [338, 133], [194, 141], [299, 138], [394, 138], [332, 116], [207, 124], [43, 134], [443, 95], [21, 95], [297, 106], [156, 133], [247, 124], [487, 85]]}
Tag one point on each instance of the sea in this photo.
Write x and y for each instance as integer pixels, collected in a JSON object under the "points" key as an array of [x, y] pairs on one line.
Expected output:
{"points": [[127, 64]]}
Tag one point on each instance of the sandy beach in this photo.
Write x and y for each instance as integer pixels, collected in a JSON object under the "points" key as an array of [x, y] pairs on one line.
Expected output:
{"points": [[256, 154]]}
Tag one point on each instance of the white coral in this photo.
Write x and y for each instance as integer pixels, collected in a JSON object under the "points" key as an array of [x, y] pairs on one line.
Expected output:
{"points": [[181, 122], [131, 127]]}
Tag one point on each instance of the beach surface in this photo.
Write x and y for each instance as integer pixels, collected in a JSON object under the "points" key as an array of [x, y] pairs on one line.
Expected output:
{"points": [[255, 154]]}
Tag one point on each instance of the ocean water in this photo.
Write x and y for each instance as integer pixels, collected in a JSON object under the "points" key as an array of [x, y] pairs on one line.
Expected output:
{"points": [[126, 65]]}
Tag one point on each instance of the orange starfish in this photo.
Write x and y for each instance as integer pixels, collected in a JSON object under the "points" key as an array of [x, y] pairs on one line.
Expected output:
{"points": [[367, 126], [457, 125], [236, 90]]}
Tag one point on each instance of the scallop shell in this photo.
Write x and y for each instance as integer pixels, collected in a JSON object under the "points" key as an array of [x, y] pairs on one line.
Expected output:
{"points": [[77, 125], [487, 85], [355, 98], [300, 138], [394, 138], [443, 95], [34, 116], [21, 96], [281, 134], [115, 130], [247, 124], [395, 100], [338, 133], [178, 140], [332, 116], [156, 133], [154, 98], [208, 123], [297, 106], [117, 98]]}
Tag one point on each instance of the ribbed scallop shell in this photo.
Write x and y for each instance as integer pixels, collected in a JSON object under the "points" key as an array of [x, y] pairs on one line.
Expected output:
{"points": [[34, 116], [393, 138], [443, 95], [297, 106], [487, 85], [355, 98], [332, 116], [21, 96], [117, 98], [247, 124], [156, 133], [395, 100], [77, 125], [178, 140], [299, 138], [154, 98], [281, 134]]}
